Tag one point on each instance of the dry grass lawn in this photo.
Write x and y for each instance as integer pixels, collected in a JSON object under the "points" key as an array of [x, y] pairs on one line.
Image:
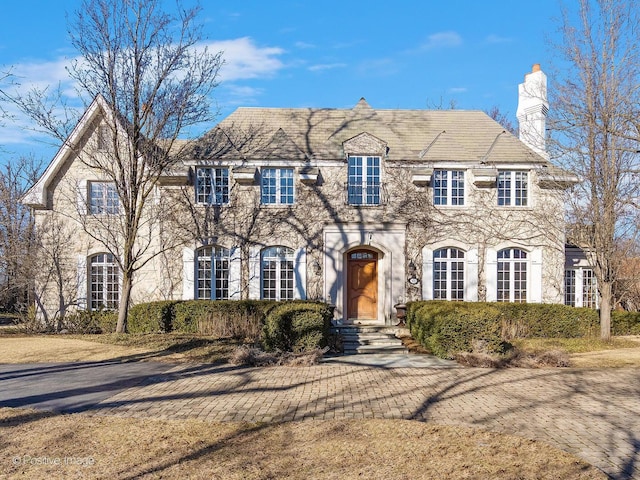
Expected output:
{"points": [[80, 446], [589, 352], [88, 348]]}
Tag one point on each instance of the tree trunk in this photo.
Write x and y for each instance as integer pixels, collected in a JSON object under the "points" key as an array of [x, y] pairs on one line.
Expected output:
{"points": [[605, 311], [123, 310]]}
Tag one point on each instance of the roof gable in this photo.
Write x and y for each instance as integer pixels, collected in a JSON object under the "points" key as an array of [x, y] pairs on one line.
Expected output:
{"points": [[36, 196]]}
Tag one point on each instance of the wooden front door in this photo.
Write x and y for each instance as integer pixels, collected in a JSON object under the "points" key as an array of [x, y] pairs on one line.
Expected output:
{"points": [[362, 285]]}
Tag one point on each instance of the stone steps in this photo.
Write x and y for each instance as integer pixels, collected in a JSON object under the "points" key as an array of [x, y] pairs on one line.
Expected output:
{"points": [[363, 339]]}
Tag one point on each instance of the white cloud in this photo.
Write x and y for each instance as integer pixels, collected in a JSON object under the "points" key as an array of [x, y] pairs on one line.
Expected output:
{"points": [[496, 39], [243, 59], [458, 90], [326, 66], [441, 40], [304, 45], [241, 95]]}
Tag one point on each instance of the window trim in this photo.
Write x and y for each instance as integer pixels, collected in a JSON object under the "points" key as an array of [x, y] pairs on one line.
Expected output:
{"points": [[584, 287], [448, 271], [212, 194], [508, 196], [103, 303], [217, 273], [511, 261], [443, 196], [280, 254], [281, 191], [104, 207], [366, 181]]}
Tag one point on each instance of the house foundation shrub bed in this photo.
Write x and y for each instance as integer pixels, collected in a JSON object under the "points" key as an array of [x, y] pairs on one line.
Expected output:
{"points": [[448, 328], [152, 317], [221, 317], [297, 326], [85, 321], [294, 326]]}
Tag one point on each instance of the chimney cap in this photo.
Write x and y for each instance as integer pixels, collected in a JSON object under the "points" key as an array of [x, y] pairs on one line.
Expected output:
{"points": [[535, 68]]}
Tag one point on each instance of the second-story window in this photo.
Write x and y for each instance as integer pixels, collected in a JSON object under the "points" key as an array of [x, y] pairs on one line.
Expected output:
{"points": [[212, 186], [448, 187], [363, 186], [103, 198], [513, 188], [276, 187]]}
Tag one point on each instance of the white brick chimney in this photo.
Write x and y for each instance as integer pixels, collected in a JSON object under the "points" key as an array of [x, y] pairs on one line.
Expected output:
{"points": [[532, 110]]}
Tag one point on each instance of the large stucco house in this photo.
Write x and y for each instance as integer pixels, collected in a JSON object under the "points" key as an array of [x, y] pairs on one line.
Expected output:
{"points": [[360, 207]]}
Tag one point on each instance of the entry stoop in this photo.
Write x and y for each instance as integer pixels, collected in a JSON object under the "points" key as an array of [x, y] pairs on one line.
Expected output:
{"points": [[362, 339]]}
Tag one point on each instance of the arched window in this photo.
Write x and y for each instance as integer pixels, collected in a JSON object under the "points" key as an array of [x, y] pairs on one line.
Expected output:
{"points": [[448, 274], [104, 282], [213, 273], [512, 275], [277, 273]]}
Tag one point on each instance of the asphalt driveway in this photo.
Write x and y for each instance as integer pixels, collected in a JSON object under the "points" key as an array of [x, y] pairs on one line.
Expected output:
{"points": [[70, 387]]}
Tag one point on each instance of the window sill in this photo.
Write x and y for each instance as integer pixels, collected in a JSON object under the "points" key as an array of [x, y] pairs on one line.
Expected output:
{"points": [[277, 205]]}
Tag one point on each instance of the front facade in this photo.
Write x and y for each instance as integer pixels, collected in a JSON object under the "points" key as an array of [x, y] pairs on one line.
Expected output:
{"points": [[359, 207]]}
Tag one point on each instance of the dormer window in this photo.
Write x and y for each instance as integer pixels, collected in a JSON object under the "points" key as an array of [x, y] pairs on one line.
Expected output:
{"points": [[363, 187]]}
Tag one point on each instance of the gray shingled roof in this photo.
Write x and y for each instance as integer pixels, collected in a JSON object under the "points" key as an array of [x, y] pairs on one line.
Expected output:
{"points": [[318, 134]]}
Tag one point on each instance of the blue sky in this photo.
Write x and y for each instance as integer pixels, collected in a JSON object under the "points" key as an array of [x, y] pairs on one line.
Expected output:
{"points": [[403, 54]]}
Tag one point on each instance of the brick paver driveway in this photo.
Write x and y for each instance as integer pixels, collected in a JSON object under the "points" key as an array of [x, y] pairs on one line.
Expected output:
{"points": [[594, 414]]}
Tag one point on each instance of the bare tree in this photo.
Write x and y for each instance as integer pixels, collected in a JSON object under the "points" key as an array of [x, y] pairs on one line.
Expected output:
{"points": [[155, 76], [16, 233], [503, 119], [596, 133]]}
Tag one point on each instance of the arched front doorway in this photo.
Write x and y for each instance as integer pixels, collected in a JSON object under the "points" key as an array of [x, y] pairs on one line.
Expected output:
{"points": [[362, 285]]}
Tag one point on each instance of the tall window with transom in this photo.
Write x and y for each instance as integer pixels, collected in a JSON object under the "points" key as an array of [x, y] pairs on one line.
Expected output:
{"points": [[277, 273], [512, 275], [104, 282], [448, 274], [213, 273]]}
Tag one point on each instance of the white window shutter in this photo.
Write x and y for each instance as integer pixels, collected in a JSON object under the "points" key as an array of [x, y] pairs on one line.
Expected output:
{"points": [[254, 273], [491, 276], [188, 274], [235, 273], [81, 300], [427, 274], [471, 276], [83, 198], [535, 291], [300, 274]]}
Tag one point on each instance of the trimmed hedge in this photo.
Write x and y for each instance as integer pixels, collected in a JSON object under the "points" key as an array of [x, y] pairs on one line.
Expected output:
{"points": [[197, 316], [152, 317], [85, 321], [446, 328], [625, 323], [523, 320], [297, 326]]}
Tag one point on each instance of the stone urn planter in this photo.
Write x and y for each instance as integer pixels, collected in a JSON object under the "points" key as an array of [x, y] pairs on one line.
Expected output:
{"points": [[401, 313]]}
